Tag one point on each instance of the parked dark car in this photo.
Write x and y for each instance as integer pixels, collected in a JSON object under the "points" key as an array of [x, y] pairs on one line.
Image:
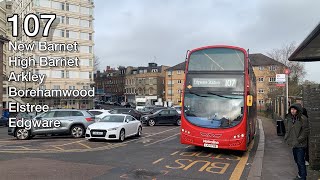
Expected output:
{"points": [[4, 121], [129, 105], [152, 109], [136, 114], [162, 116]]}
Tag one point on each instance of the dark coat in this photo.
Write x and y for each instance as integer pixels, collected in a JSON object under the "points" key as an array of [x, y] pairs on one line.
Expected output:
{"points": [[297, 132]]}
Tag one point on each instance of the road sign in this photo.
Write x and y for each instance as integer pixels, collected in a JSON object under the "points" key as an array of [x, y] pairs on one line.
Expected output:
{"points": [[287, 71], [280, 78], [283, 84]]}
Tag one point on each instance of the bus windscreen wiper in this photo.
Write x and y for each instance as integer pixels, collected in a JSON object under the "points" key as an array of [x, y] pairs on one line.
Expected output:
{"points": [[223, 96], [191, 92]]}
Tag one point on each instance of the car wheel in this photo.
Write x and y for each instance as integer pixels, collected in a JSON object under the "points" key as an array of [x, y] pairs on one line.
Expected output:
{"points": [[151, 122], [22, 134], [178, 122], [77, 131], [122, 135], [139, 131]]}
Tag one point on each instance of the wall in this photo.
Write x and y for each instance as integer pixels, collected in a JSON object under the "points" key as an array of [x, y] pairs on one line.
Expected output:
{"points": [[311, 101]]}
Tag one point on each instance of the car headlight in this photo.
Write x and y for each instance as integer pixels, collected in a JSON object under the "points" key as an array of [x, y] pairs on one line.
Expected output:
{"points": [[112, 129], [146, 117]]}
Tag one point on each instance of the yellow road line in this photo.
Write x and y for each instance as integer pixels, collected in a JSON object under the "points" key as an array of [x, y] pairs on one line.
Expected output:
{"points": [[236, 174], [162, 139], [88, 147], [155, 162], [69, 143]]}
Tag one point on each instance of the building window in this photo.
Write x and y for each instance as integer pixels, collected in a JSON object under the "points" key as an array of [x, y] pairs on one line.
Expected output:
{"points": [[261, 68], [272, 79], [169, 73], [72, 7], [179, 81], [273, 68], [56, 102], [72, 87], [179, 72], [150, 91], [154, 70], [271, 89], [261, 90], [56, 86], [85, 23], [41, 102], [179, 91], [261, 79], [261, 101], [85, 10]]}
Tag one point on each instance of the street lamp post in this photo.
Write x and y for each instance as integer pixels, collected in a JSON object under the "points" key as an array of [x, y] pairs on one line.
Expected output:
{"points": [[171, 85]]}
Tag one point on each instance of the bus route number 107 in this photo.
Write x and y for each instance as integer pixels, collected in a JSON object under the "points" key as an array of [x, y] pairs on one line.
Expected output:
{"points": [[230, 82]]}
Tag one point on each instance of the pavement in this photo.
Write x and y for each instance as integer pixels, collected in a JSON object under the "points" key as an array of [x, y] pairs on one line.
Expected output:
{"points": [[278, 160]]}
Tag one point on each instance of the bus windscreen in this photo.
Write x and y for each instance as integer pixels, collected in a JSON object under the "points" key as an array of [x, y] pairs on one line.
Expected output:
{"points": [[216, 59], [212, 110]]}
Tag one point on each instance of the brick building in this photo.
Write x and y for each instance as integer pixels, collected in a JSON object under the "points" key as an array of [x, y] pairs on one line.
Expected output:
{"points": [[145, 81], [265, 69], [175, 76], [109, 84]]}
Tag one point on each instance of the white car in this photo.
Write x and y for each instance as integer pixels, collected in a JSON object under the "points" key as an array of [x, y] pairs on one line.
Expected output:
{"points": [[114, 127], [99, 113]]}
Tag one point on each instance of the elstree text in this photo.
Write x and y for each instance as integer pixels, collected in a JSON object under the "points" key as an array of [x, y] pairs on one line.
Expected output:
{"points": [[33, 123], [16, 107]]}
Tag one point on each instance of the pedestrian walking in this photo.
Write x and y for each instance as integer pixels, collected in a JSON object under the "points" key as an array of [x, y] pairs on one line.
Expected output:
{"points": [[297, 132]]}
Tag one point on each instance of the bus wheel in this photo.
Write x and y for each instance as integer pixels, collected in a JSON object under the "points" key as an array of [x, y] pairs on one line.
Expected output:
{"points": [[151, 122]]}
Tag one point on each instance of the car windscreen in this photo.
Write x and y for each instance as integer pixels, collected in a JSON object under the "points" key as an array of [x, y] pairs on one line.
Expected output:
{"points": [[95, 112], [112, 118]]}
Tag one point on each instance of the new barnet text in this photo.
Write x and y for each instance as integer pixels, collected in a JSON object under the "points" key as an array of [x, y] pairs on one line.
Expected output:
{"points": [[43, 46]]}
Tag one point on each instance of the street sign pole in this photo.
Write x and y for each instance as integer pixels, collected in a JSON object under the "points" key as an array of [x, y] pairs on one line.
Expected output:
{"points": [[287, 72], [287, 94]]}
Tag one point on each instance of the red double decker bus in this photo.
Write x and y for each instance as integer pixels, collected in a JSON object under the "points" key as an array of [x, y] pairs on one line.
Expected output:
{"points": [[219, 98]]}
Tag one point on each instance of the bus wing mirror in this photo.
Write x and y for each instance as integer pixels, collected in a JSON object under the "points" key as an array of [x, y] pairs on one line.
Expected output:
{"points": [[249, 100]]}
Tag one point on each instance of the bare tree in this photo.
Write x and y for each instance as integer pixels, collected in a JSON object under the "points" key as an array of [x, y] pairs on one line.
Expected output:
{"points": [[96, 63], [297, 69], [282, 55]]}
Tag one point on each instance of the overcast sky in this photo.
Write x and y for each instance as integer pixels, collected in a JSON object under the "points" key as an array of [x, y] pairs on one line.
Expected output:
{"points": [[135, 32]]}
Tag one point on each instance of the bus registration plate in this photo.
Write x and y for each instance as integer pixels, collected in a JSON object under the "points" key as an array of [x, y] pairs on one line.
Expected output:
{"points": [[211, 145]]}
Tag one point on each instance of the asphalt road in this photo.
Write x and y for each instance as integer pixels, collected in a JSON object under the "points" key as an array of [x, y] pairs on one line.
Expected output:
{"points": [[157, 154]]}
